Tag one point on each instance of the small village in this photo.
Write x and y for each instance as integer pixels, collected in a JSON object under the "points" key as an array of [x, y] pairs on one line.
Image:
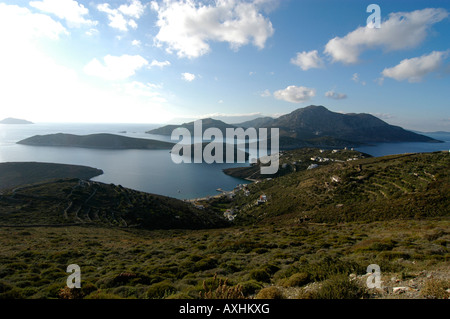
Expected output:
{"points": [[288, 160]]}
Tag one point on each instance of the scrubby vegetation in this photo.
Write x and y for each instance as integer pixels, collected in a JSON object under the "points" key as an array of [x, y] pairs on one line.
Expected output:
{"points": [[127, 263], [116, 236]]}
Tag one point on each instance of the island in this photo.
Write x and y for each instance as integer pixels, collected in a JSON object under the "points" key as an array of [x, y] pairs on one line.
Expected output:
{"points": [[10, 120], [97, 141]]}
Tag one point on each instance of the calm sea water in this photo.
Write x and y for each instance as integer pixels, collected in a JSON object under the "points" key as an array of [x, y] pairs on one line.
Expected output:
{"points": [[150, 171]]}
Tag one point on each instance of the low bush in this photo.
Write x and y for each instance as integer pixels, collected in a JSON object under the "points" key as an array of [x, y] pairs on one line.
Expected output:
{"points": [[270, 293], [161, 290]]}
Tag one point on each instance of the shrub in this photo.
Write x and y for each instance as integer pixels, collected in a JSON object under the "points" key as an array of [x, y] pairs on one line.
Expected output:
{"points": [[296, 280], [250, 287], [161, 290], [270, 293], [219, 289], [338, 287], [260, 275]]}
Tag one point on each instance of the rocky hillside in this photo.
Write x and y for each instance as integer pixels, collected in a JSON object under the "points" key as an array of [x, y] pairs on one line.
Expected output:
{"points": [[81, 202]]}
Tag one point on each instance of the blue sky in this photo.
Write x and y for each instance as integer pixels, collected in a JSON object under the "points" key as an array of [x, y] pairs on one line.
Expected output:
{"points": [[172, 61]]}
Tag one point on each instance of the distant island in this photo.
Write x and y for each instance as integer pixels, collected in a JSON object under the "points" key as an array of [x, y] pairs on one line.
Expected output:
{"points": [[11, 120], [316, 126], [13, 174], [98, 141]]}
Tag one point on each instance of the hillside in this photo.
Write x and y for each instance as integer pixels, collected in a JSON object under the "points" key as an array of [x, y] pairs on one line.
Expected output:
{"points": [[80, 202], [13, 174], [11, 120], [383, 188], [99, 141], [296, 160]]}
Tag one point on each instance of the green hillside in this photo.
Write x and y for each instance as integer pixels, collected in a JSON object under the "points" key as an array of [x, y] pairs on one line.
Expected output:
{"points": [[80, 202], [398, 186]]}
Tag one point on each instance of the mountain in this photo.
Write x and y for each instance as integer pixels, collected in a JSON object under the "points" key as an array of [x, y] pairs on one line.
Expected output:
{"points": [[11, 120], [316, 126], [69, 202], [13, 174], [100, 141], [206, 123], [318, 121]]}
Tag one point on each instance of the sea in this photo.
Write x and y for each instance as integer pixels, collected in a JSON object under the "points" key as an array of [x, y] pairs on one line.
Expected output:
{"points": [[151, 171]]}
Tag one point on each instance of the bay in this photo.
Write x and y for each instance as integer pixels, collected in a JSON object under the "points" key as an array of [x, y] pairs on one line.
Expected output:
{"points": [[149, 171]]}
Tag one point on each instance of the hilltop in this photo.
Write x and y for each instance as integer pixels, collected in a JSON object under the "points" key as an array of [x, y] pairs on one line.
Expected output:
{"points": [[100, 141], [11, 120]]}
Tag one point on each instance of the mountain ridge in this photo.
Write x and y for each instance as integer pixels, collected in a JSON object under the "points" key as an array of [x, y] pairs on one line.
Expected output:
{"points": [[316, 121]]}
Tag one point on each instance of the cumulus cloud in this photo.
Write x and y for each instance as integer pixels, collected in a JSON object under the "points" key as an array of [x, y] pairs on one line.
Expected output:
{"points": [[335, 96], [308, 60], [115, 67], [415, 69], [402, 30], [189, 77], [295, 94], [69, 10], [187, 27], [123, 17], [160, 64]]}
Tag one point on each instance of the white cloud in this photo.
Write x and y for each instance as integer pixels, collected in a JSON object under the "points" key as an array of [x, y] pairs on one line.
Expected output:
{"points": [[189, 77], [415, 69], [266, 93], [160, 64], [187, 27], [136, 43], [123, 17], [69, 10], [115, 67], [135, 9], [335, 96], [27, 25], [356, 79], [295, 94], [402, 30], [308, 60]]}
